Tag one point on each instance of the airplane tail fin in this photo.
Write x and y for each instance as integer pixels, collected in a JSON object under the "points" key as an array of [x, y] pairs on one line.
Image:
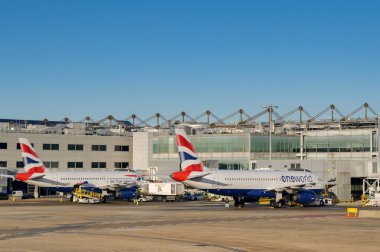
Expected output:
{"points": [[33, 166], [189, 159]]}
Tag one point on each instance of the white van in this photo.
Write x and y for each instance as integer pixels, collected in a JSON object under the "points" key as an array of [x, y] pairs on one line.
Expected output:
{"points": [[17, 194]]}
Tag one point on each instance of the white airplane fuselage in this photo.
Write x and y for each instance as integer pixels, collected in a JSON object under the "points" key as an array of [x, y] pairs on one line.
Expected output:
{"points": [[296, 186], [254, 183], [65, 181]]}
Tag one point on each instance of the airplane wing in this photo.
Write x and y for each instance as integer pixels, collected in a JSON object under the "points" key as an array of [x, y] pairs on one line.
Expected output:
{"points": [[116, 186], [10, 174], [37, 176], [7, 176], [291, 188], [209, 181], [195, 175]]}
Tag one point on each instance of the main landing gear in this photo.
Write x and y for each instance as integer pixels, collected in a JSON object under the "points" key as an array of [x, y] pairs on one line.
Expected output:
{"points": [[239, 202], [279, 202]]}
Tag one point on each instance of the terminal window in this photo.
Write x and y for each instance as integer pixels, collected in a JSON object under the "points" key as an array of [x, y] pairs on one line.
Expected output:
{"points": [[19, 148], [19, 164], [75, 147], [3, 163], [3, 146], [121, 148], [295, 165], [50, 146], [98, 165], [74, 164], [51, 164], [374, 167], [121, 164], [99, 147]]}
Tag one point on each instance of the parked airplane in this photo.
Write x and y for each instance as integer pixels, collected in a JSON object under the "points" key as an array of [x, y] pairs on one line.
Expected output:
{"points": [[35, 173], [245, 186]]}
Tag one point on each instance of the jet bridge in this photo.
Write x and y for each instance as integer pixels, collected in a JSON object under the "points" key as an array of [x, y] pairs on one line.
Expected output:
{"points": [[371, 185]]}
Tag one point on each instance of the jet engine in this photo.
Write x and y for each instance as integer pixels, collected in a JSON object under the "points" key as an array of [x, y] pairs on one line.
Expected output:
{"points": [[304, 197], [127, 194]]}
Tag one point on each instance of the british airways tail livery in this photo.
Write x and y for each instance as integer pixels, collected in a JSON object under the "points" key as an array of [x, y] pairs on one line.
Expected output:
{"points": [[35, 173], [33, 165], [191, 166], [245, 186]]}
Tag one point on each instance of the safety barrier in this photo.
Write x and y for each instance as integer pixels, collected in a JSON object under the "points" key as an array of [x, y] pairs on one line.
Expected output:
{"points": [[352, 212]]}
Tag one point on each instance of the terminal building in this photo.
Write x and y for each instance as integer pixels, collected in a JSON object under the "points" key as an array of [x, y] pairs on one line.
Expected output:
{"points": [[340, 148]]}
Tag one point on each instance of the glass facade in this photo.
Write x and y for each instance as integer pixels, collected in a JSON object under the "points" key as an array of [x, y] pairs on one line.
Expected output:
{"points": [[234, 151], [339, 143], [280, 143], [233, 164], [221, 143], [375, 138], [204, 144], [211, 144], [260, 143], [164, 145]]}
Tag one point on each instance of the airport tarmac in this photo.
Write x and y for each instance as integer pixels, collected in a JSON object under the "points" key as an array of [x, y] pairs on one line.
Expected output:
{"points": [[51, 225]]}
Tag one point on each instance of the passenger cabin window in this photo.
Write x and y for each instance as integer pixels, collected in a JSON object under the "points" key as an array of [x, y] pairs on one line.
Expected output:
{"points": [[75, 147], [50, 146], [74, 164], [98, 165], [122, 148], [99, 147]]}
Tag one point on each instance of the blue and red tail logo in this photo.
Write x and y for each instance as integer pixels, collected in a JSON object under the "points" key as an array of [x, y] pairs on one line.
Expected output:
{"points": [[189, 159], [32, 163]]}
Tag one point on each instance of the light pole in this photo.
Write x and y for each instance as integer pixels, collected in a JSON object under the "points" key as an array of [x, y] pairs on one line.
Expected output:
{"points": [[270, 111]]}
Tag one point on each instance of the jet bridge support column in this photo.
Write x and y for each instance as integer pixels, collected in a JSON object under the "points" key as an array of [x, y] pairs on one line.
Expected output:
{"points": [[36, 192]]}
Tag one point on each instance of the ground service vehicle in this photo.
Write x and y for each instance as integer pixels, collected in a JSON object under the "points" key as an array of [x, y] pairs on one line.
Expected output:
{"points": [[162, 191], [17, 194]]}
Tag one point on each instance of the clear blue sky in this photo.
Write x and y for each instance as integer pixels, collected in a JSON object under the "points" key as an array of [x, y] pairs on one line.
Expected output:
{"points": [[78, 58]]}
